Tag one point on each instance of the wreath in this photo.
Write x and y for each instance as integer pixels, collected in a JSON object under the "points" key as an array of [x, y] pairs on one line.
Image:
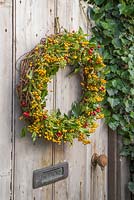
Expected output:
{"points": [[37, 68]]}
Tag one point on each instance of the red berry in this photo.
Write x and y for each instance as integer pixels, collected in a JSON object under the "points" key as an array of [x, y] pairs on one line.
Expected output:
{"points": [[85, 125], [90, 51], [89, 60], [23, 104], [93, 113], [99, 46], [26, 114], [102, 88], [59, 134], [44, 117], [66, 58], [98, 110]]}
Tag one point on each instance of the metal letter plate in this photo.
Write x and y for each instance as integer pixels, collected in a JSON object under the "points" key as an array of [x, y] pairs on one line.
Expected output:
{"points": [[49, 175]]}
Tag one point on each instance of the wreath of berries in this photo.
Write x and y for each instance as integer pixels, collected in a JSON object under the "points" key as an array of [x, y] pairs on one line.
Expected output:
{"points": [[39, 66]]}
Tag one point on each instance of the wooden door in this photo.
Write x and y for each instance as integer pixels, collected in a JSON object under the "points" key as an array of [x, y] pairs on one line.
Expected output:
{"points": [[23, 23]]}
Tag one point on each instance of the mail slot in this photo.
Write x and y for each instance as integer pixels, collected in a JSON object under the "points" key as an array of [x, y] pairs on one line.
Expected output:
{"points": [[49, 175]]}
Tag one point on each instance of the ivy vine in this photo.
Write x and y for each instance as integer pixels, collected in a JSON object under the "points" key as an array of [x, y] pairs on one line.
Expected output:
{"points": [[114, 30]]}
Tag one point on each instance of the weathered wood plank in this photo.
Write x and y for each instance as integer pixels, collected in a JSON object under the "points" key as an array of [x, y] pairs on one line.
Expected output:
{"points": [[122, 172], [5, 99], [118, 169], [112, 166], [67, 91], [34, 19], [98, 180]]}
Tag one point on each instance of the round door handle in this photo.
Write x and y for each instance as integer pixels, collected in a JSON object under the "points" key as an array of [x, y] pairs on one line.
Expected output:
{"points": [[100, 160]]}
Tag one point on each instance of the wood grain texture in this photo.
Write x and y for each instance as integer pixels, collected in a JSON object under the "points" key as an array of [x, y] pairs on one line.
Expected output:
{"points": [[34, 20], [68, 91], [122, 172], [99, 180], [5, 99], [112, 166]]}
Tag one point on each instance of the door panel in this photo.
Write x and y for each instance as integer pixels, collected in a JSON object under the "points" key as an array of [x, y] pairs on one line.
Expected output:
{"points": [[6, 128], [34, 19]]}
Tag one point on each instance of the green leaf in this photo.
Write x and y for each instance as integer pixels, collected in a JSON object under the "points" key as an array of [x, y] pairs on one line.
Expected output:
{"points": [[84, 130], [112, 92], [43, 94], [113, 101], [127, 10], [113, 125], [23, 132], [30, 87], [76, 109], [108, 6], [126, 141], [63, 63], [132, 114], [77, 70], [125, 152], [99, 2], [117, 83], [131, 186], [128, 106], [34, 135], [107, 112], [30, 75], [80, 31], [116, 42], [106, 25], [116, 117], [24, 89]]}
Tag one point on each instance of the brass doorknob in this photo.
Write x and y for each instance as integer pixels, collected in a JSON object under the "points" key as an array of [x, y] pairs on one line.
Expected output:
{"points": [[101, 160]]}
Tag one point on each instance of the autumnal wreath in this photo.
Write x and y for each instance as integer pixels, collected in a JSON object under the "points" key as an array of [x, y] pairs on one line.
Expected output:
{"points": [[36, 70]]}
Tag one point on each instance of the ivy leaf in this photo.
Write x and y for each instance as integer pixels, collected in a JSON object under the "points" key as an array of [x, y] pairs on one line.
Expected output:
{"points": [[126, 141], [113, 101], [128, 106], [116, 42], [113, 125], [116, 117], [106, 25], [107, 113], [112, 92], [99, 2], [132, 91], [127, 10], [117, 83], [125, 152], [108, 6], [131, 186], [132, 114]]}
